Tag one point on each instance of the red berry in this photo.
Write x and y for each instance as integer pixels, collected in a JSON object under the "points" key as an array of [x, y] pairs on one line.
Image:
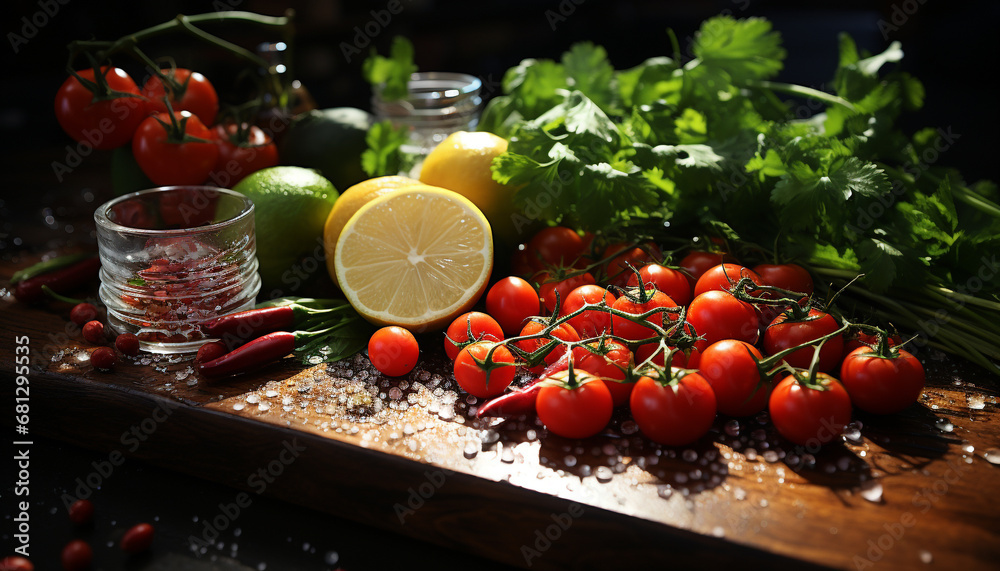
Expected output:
{"points": [[82, 313], [81, 512], [128, 344], [210, 351], [138, 538], [77, 555], [16, 563], [103, 358], [93, 331]]}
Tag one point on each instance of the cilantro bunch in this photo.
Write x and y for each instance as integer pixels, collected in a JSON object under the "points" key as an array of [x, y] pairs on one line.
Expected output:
{"points": [[713, 145]]}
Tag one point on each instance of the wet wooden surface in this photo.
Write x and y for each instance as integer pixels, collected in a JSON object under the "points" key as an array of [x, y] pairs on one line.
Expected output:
{"points": [[913, 490]]}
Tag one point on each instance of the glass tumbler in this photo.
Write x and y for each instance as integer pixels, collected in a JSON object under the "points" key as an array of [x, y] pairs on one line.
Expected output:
{"points": [[173, 257]]}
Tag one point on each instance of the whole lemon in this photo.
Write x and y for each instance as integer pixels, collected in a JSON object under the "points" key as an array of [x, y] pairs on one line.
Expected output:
{"points": [[290, 208], [461, 163], [349, 202]]}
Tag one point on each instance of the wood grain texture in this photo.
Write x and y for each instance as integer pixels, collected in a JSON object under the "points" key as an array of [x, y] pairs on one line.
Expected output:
{"points": [[913, 491]]}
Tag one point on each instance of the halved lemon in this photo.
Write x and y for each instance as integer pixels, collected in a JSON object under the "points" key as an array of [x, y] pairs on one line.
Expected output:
{"points": [[417, 257]]}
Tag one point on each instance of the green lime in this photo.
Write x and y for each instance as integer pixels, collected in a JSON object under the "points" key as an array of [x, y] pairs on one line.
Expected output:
{"points": [[330, 141], [290, 208]]}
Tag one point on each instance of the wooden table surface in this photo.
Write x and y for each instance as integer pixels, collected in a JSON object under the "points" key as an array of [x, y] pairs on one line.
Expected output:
{"points": [[913, 490]]}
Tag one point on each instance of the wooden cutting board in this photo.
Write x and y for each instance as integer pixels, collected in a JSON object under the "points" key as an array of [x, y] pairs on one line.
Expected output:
{"points": [[910, 491]]}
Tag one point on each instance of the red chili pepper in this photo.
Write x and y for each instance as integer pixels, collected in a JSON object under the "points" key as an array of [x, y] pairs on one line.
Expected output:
{"points": [[251, 323], [62, 280], [260, 351], [513, 403]]}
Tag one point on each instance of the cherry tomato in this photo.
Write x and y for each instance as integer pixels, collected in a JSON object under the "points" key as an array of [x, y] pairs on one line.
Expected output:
{"points": [[196, 94], [610, 362], [239, 158], [723, 277], [511, 301], [127, 344], [784, 333], [82, 313], [103, 358], [556, 246], [791, 277], [698, 262], [105, 123], [672, 282], [137, 538], [16, 563], [93, 331], [550, 290], [673, 414], [632, 331], [563, 331], [469, 328], [729, 366], [590, 322], [81, 512], [77, 555], [475, 379], [882, 385], [393, 350], [617, 269], [579, 407], [717, 315], [169, 162], [807, 416]]}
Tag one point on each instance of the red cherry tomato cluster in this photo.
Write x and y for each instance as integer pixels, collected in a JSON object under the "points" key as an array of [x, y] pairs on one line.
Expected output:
{"points": [[93, 331], [169, 122], [604, 345]]}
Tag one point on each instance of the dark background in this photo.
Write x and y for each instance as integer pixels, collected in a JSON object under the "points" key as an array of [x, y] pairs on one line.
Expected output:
{"points": [[951, 46]]}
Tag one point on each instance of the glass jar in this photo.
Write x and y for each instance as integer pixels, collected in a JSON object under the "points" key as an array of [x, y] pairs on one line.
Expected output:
{"points": [[173, 257], [439, 103]]}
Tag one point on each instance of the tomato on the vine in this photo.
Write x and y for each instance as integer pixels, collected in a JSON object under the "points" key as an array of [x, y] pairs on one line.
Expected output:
{"points": [[730, 366], [718, 315], [551, 289], [785, 333], [672, 282], [882, 385], [617, 269], [576, 405], [689, 359], [673, 413], [484, 380], [810, 416], [590, 322], [564, 331], [638, 302], [175, 151], [195, 93], [697, 262], [556, 246], [469, 328], [102, 120], [243, 150], [723, 277], [511, 301], [791, 277], [609, 360]]}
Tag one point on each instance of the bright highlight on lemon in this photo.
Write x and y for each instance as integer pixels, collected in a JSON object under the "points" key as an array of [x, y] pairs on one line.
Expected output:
{"points": [[417, 257]]}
